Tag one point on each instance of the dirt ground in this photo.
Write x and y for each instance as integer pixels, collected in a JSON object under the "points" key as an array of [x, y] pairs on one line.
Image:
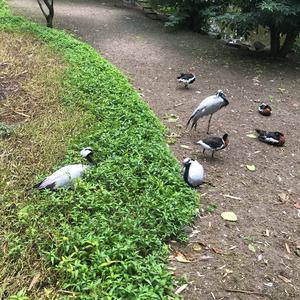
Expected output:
{"points": [[257, 257]]}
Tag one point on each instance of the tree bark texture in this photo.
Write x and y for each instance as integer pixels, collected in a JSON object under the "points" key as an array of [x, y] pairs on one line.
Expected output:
{"points": [[288, 42], [49, 16], [275, 41]]}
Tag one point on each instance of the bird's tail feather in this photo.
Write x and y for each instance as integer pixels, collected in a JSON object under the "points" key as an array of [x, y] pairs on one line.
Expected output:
{"points": [[188, 122]]}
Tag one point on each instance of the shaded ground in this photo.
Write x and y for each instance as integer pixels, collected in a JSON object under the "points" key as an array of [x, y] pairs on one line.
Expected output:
{"points": [[152, 58]]}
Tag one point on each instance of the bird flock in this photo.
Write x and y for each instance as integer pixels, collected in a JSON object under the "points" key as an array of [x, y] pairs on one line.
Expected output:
{"points": [[193, 172]]}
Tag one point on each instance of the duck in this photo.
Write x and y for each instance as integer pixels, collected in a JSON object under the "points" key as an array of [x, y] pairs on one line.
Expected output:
{"points": [[186, 79], [265, 109], [274, 138], [208, 106], [214, 143], [193, 172], [65, 176]]}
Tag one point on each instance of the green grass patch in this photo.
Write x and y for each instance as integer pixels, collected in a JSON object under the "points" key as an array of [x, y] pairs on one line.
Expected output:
{"points": [[105, 238]]}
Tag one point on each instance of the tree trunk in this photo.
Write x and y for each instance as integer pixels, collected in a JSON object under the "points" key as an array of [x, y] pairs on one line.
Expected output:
{"points": [[288, 42], [49, 17], [275, 41]]}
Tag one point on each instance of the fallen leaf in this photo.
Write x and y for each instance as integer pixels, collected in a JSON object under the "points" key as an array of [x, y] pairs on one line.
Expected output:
{"points": [[171, 141], [229, 216], [283, 197], [202, 243], [171, 118], [171, 138], [297, 205], [251, 135], [227, 271], [181, 258], [205, 257], [217, 250], [178, 104], [284, 279], [251, 248], [174, 134], [251, 168], [197, 248], [185, 147], [232, 197], [34, 281], [181, 289]]}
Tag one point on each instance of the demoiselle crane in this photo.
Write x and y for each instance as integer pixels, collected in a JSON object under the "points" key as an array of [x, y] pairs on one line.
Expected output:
{"points": [[208, 106], [66, 175]]}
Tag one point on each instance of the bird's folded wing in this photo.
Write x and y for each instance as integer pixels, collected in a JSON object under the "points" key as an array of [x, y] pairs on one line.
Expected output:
{"points": [[214, 142]]}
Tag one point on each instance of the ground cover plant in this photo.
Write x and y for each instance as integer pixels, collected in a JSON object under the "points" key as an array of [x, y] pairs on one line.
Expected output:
{"points": [[104, 239]]}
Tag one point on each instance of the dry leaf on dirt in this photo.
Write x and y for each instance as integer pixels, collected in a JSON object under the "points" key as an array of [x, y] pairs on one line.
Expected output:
{"points": [[181, 289], [284, 279], [181, 258], [172, 118], [232, 197], [281, 90], [297, 205], [34, 280], [251, 168], [185, 147], [227, 271], [229, 216], [197, 248], [283, 197], [217, 250], [171, 138], [251, 248]]}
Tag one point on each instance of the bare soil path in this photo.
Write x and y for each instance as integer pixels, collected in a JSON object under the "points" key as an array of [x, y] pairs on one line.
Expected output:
{"points": [[257, 257]]}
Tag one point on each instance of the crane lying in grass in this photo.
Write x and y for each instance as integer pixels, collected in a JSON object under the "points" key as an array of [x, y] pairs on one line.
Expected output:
{"points": [[66, 175]]}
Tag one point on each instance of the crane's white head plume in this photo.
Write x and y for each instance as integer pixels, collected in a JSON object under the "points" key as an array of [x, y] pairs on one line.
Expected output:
{"points": [[221, 94], [87, 153], [186, 161]]}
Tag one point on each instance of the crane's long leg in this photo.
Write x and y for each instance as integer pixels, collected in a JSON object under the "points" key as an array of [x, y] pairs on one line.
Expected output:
{"points": [[209, 123]]}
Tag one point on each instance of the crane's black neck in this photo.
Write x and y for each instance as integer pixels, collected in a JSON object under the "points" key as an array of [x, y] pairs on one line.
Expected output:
{"points": [[186, 173], [90, 159]]}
